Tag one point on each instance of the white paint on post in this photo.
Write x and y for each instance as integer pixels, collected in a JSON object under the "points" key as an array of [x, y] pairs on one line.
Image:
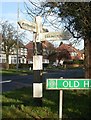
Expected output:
{"points": [[38, 28], [38, 24], [60, 104], [37, 62], [37, 90]]}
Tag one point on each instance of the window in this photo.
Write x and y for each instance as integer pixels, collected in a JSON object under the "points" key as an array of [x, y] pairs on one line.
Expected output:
{"points": [[13, 60], [2, 58], [73, 54]]}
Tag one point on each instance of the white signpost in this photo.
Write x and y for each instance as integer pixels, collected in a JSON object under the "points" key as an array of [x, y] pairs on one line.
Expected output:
{"points": [[50, 36], [31, 26], [42, 36], [36, 27], [54, 36]]}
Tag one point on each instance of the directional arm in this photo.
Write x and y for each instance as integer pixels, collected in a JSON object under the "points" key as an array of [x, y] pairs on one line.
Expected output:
{"points": [[30, 26]]}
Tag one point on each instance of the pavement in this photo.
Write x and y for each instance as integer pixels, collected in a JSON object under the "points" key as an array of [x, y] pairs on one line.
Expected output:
{"points": [[13, 85]]}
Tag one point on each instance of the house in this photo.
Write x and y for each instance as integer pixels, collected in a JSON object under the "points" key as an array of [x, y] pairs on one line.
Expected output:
{"points": [[22, 53], [63, 52], [74, 54], [29, 57], [83, 54], [46, 48]]}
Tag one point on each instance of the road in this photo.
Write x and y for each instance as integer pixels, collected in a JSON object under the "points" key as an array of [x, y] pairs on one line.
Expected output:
{"points": [[19, 81]]}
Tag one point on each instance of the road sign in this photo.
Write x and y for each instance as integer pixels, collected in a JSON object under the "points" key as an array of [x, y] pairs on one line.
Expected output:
{"points": [[63, 84], [68, 84], [31, 26], [54, 36], [50, 36], [66, 35]]}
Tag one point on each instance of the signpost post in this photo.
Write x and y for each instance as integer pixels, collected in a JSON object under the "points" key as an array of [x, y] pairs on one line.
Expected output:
{"points": [[36, 28], [67, 84], [37, 64]]}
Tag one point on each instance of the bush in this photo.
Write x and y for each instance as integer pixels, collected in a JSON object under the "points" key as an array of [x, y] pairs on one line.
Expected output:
{"points": [[67, 62], [70, 62], [78, 62], [45, 65], [23, 66], [12, 66]]}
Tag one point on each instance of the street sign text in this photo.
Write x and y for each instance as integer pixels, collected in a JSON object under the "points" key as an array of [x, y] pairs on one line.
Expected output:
{"points": [[68, 84]]}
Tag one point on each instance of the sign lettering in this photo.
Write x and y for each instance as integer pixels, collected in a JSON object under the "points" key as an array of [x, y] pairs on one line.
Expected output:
{"points": [[68, 84]]}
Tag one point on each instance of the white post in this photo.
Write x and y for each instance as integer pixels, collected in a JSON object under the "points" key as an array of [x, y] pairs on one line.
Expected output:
{"points": [[60, 104]]}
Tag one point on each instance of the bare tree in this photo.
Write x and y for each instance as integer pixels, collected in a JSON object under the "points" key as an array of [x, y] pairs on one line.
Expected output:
{"points": [[9, 40]]}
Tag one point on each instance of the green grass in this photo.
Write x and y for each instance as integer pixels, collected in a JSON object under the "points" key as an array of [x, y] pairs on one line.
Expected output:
{"points": [[15, 72], [20, 104]]}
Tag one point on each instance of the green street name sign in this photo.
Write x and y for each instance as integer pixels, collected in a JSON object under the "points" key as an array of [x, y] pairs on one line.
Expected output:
{"points": [[68, 84]]}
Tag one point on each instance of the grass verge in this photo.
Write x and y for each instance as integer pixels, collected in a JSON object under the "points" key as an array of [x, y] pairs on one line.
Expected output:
{"points": [[20, 104], [15, 72]]}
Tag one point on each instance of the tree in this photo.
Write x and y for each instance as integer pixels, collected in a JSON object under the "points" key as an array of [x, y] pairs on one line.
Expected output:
{"points": [[77, 19], [63, 54], [9, 40], [49, 51]]}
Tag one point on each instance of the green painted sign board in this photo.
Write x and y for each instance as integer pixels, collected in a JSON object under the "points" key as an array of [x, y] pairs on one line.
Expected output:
{"points": [[68, 84]]}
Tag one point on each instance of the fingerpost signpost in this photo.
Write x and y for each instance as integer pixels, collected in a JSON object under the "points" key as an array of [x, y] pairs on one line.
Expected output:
{"points": [[67, 84], [36, 28], [40, 35]]}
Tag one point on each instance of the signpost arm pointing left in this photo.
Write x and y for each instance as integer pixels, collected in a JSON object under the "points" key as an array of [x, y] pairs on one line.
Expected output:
{"points": [[30, 26]]}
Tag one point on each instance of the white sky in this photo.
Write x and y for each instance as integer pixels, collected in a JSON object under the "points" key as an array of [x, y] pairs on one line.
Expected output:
{"points": [[8, 11]]}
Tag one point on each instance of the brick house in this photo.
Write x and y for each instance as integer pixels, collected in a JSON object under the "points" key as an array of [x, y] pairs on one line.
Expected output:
{"points": [[74, 53], [29, 57], [46, 48]]}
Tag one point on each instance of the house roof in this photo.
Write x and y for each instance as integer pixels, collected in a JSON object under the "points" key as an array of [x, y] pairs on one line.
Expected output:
{"points": [[68, 47], [29, 46], [45, 44]]}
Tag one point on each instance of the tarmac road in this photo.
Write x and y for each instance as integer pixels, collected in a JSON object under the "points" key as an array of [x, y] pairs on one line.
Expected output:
{"points": [[15, 82]]}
